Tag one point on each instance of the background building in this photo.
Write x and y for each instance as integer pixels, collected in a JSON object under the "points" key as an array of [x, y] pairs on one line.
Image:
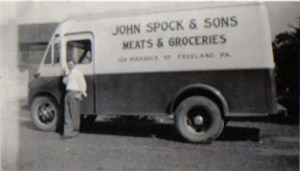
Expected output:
{"points": [[33, 40]]}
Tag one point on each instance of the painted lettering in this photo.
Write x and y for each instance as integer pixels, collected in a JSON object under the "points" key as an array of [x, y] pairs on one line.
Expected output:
{"points": [[224, 54], [197, 40], [220, 22], [137, 44], [127, 29], [195, 56], [173, 25]]}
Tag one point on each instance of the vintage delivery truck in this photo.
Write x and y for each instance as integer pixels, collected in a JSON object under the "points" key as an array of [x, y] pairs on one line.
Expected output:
{"points": [[201, 65]]}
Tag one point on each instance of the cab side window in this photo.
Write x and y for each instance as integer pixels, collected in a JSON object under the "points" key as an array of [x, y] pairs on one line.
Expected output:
{"points": [[80, 51]]}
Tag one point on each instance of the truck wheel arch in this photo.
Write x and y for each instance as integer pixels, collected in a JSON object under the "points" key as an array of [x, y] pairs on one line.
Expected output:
{"points": [[200, 90], [45, 94]]}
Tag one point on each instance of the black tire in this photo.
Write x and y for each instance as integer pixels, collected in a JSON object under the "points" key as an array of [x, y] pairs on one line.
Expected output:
{"points": [[226, 120], [45, 114], [198, 119]]}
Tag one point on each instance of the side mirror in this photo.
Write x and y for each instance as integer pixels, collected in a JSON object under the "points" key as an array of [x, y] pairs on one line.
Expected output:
{"points": [[36, 75]]}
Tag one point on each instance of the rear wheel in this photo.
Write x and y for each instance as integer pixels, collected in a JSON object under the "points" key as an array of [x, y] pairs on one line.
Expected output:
{"points": [[45, 113], [198, 119]]}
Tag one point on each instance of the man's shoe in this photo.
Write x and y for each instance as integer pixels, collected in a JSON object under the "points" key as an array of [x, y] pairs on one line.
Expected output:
{"points": [[75, 134], [69, 136], [65, 137]]}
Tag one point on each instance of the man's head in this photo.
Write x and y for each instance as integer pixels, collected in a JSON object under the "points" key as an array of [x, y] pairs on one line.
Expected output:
{"points": [[71, 64], [89, 55]]}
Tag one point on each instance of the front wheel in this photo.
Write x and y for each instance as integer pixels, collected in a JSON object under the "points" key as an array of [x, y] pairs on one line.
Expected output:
{"points": [[198, 119], [45, 113]]}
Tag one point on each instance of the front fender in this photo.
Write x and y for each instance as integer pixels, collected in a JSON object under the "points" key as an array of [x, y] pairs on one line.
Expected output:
{"points": [[49, 86]]}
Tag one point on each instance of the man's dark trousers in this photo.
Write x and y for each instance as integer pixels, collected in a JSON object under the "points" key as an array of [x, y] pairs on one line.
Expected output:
{"points": [[72, 114]]}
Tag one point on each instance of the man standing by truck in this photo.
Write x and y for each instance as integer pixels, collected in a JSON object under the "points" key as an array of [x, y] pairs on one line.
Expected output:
{"points": [[76, 90]]}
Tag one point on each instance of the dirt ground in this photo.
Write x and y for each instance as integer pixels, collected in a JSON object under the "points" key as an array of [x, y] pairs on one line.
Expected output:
{"points": [[256, 144]]}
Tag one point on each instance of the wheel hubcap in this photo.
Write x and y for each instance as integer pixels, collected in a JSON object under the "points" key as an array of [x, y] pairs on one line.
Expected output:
{"points": [[46, 113], [198, 120]]}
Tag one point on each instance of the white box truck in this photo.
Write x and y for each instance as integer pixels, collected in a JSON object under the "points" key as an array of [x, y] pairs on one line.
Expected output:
{"points": [[201, 65]]}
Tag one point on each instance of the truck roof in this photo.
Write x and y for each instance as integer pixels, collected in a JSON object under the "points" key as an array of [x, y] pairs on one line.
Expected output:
{"points": [[165, 9]]}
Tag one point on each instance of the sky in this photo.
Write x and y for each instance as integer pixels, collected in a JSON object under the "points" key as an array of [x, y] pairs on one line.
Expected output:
{"points": [[281, 14]]}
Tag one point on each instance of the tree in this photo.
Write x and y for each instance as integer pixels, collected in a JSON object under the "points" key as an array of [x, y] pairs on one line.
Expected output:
{"points": [[286, 55]]}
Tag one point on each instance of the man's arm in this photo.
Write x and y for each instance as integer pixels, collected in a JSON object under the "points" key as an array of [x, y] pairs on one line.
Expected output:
{"points": [[82, 84], [65, 76], [66, 80]]}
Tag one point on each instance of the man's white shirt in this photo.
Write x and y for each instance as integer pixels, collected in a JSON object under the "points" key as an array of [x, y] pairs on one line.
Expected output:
{"points": [[75, 81]]}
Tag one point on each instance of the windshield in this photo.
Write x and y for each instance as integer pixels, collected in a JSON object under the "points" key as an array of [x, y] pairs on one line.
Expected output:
{"points": [[52, 54]]}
